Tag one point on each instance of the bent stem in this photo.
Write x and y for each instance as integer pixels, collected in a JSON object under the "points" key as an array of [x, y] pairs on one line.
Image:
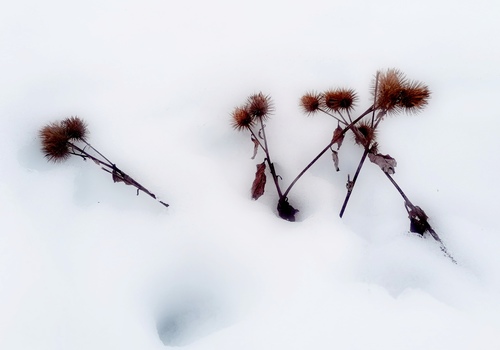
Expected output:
{"points": [[117, 174], [334, 140]]}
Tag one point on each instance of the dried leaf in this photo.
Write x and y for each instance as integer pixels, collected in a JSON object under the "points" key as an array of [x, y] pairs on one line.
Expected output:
{"points": [[338, 136], [260, 181], [120, 176], [384, 161], [116, 176], [255, 146], [335, 157]]}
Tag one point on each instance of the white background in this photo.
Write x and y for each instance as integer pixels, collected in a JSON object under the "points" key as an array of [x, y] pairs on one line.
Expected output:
{"points": [[86, 264]]}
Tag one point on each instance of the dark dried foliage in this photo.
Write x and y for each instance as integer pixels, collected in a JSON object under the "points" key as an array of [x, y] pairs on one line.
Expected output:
{"points": [[259, 183], [384, 161], [338, 137]]}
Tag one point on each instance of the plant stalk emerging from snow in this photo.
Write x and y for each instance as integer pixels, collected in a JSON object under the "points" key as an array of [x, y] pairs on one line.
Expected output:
{"points": [[252, 117], [392, 92], [66, 138]]}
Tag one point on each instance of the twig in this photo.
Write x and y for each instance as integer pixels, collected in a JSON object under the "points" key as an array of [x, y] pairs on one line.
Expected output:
{"points": [[353, 182], [334, 140], [117, 174]]}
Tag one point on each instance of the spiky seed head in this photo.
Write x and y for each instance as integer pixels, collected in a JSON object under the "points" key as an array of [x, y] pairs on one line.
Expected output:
{"points": [[310, 102], [55, 142], [75, 128], [340, 99], [365, 134], [389, 87], [414, 97], [259, 105], [242, 118], [395, 93]]}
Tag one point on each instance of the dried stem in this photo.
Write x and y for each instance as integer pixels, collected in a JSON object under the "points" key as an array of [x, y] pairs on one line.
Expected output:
{"points": [[106, 165], [334, 140], [268, 159], [264, 147], [352, 183], [343, 121]]}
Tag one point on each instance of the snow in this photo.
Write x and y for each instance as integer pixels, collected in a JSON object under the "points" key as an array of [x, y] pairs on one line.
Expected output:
{"points": [[87, 264]]}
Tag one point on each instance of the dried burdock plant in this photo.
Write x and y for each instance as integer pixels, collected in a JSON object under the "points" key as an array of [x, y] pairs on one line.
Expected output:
{"points": [[392, 93], [68, 137], [311, 102], [339, 100], [251, 117]]}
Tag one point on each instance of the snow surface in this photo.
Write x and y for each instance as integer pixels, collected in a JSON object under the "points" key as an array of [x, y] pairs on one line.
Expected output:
{"points": [[86, 264]]}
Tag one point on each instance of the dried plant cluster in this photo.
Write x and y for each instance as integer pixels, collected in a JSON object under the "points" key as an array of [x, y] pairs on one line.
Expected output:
{"points": [[392, 93], [68, 137], [251, 117]]}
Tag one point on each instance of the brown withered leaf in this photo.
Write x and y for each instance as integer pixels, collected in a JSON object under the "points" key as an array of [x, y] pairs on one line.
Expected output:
{"points": [[260, 181], [335, 157], [255, 146], [120, 176], [337, 134], [384, 161]]}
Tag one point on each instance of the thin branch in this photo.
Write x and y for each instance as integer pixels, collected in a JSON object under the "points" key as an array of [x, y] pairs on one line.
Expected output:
{"points": [[343, 121], [96, 151], [269, 161], [334, 140], [375, 99], [353, 182], [117, 174]]}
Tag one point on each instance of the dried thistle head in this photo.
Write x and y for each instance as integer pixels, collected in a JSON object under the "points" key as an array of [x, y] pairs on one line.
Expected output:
{"points": [[340, 99], [259, 105], [395, 93], [55, 142], [389, 87], [75, 128], [414, 97], [365, 134], [242, 119], [311, 102]]}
